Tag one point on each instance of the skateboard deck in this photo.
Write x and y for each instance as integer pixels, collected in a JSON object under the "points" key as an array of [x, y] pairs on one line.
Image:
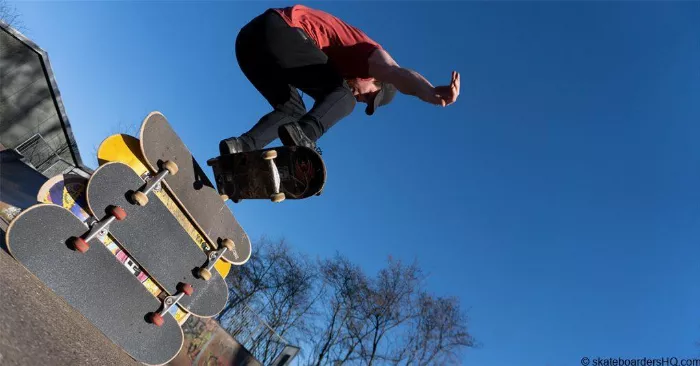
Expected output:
{"points": [[155, 239], [125, 149], [284, 172], [92, 282], [191, 187], [68, 191]]}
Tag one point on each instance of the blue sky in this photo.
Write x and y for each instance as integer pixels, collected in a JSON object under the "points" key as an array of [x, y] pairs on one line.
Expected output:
{"points": [[558, 198]]}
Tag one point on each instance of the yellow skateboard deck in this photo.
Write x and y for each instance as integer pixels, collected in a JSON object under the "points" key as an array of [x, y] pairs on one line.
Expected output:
{"points": [[125, 149]]}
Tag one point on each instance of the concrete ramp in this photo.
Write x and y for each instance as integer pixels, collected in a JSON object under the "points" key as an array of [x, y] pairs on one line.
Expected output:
{"points": [[38, 328]]}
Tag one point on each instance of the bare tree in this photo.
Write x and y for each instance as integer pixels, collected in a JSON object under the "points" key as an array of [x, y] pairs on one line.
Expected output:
{"points": [[249, 282], [389, 318], [290, 295], [279, 284], [344, 286], [10, 15], [338, 314], [388, 305], [436, 332]]}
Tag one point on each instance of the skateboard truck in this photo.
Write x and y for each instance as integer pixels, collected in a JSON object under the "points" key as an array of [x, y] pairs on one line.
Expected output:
{"points": [[205, 272], [81, 244], [141, 196], [222, 179], [169, 302], [278, 196]]}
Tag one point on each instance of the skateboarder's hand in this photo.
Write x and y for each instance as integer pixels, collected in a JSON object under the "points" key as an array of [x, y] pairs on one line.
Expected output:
{"points": [[446, 95]]}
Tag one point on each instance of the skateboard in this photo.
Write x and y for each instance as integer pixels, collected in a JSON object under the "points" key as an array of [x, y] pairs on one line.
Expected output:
{"points": [[190, 187], [154, 238], [68, 191], [42, 239], [125, 148], [285, 172]]}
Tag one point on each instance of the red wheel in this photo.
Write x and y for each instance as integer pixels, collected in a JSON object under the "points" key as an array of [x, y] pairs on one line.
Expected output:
{"points": [[157, 319], [187, 289], [80, 245], [118, 213]]}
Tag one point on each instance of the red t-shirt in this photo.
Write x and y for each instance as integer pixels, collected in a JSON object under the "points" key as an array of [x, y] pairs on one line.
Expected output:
{"points": [[346, 46]]}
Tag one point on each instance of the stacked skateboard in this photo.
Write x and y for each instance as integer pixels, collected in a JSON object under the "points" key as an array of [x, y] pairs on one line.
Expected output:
{"points": [[147, 240]]}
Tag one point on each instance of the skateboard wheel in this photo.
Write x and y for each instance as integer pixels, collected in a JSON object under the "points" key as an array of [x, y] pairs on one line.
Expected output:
{"points": [[118, 213], [186, 288], [80, 245], [228, 244], [140, 198], [278, 197], [157, 319], [269, 154], [205, 274], [224, 196], [171, 167]]}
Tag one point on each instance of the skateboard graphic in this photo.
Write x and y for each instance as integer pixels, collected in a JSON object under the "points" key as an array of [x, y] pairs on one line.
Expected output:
{"points": [[285, 172], [156, 240], [190, 187], [43, 239], [125, 149], [68, 191]]}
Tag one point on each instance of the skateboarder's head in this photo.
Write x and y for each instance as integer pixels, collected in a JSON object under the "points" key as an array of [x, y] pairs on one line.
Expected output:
{"points": [[372, 92], [383, 96]]}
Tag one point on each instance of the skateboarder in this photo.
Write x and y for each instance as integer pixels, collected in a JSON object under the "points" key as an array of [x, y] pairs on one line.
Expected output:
{"points": [[299, 48]]}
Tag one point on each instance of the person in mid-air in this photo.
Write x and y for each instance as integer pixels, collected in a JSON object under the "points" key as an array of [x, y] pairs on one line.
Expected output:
{"points": [[284, 50]]}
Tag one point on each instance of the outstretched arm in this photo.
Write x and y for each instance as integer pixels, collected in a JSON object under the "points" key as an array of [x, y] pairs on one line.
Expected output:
{"points": [[383, 67]]}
